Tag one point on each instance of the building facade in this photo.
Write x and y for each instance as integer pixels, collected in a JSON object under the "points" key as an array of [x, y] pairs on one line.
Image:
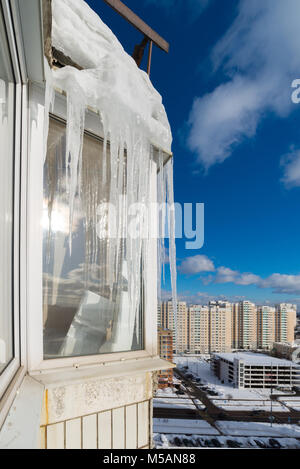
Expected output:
{"points": [[166, 320], [247, 325], [285, 322], [253, 370], [199, 329], [165, 348], [265, 327], [221, 326]]}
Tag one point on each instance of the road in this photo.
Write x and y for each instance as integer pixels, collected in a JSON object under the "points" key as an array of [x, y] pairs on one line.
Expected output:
{"points": [[213, 413]]}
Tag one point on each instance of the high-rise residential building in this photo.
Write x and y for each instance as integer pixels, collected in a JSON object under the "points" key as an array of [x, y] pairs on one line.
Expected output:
{"points": [[210, 327], [285, 322], [235, 326], [181, 331], [220, 331], [165, 348], [199, 329], [265, 327], [165, 315], [247, 325], [222, 326]]}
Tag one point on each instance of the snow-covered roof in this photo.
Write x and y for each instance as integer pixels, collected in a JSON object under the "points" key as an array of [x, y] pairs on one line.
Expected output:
{"points": [[255, 359]]}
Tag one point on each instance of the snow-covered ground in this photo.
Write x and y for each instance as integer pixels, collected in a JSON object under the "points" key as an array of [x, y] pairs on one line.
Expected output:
{"points": [[166, 393], [248, 405], [174, 403], [172, 433], [167, 398], [258, 429], [183, 427], [295, 405]]}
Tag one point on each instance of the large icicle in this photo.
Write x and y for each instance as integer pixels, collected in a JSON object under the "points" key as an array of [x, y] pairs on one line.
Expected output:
{"points": [[133, 119], [49, 103]]}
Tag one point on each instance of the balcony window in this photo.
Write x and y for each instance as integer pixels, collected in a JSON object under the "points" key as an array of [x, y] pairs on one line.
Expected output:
{"points": [[86, 308]]}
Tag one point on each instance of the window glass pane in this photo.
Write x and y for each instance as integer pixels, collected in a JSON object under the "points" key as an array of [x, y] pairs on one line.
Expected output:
{"points": [[86, 307], [7, 99]]}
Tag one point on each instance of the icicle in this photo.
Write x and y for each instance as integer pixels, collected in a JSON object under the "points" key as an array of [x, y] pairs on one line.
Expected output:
{"points": [[172, 244], [133, 118], [49, 104], [75, 131]]}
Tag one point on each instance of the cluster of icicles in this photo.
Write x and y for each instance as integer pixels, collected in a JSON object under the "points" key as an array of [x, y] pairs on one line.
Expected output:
{"points": [[126, 136]]}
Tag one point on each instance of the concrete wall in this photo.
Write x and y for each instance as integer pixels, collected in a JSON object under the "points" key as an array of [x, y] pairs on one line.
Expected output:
{"points": [[99, 414]]}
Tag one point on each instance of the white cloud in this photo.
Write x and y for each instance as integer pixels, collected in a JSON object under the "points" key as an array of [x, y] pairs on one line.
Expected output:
{"points": [[225, 275], [196, 264], [291, 171], [282, 283], [260, 54]]}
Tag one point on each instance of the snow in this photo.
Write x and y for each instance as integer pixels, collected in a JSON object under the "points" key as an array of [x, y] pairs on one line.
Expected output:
{"points": [[258, 429], [111, 80], [249, 405], [174, 403], [131, 117], [166, 392], [182, 426]]}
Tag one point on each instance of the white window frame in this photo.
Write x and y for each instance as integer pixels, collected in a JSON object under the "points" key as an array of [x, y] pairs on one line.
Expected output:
{"points": [[36, 362], [13, 374]]}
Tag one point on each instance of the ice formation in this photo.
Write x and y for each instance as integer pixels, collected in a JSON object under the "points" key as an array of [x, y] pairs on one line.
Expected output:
{"points": [[133, 120]]}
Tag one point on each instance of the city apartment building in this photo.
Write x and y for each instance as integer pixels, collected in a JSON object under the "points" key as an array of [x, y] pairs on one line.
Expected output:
{"points": [[210, 327], [253, 370], [165, 348], [285, 322], [221, 326], [247, 325], [265, 327], [235, 326], [199, 329], [166, 320]]}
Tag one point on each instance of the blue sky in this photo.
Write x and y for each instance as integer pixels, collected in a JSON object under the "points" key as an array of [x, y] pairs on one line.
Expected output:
{"points": [[226, 85]]}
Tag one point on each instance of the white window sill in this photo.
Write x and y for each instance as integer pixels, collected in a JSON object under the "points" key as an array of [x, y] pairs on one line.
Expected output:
{"points": [[61, 376], [21, 429]]}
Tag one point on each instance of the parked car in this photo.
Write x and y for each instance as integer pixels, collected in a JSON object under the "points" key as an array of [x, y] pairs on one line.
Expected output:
{"points": [[177, 441], [199, 442], [188, 443], [257, 412], [216, 443], [261, 444], [274, 443], [233, 444], [208, 443]]}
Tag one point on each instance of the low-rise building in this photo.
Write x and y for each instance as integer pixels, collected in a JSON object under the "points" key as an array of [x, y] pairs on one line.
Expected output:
{"points": [[255, 370], [165, 347]]}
